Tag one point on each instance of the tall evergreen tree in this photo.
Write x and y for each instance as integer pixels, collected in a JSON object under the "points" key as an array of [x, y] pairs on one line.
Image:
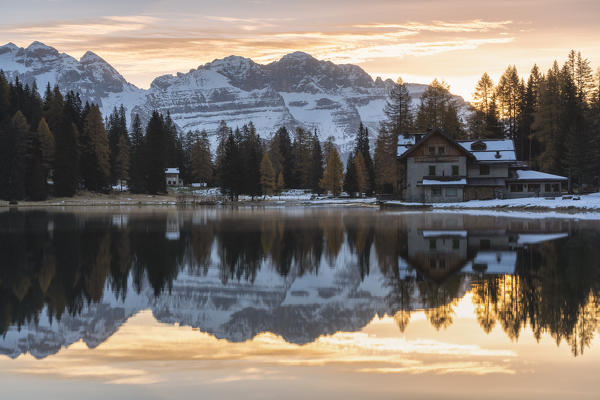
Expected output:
{"points": [[350, 184], [66, 137], [267, 175], [438, 110], [40, 161], [362, 177], [137, 181], [363, 147], [154, 155], [334, 173], [385, 164], [397, 110], [316, 164], [95, 152], [201, 163]]}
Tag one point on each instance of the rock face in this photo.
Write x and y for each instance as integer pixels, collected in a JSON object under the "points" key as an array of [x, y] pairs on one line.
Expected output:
{"points": [[91, 76], [296, 91]]}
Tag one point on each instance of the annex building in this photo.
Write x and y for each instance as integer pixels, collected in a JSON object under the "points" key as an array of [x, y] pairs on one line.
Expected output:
{"points": [[440, 169]]}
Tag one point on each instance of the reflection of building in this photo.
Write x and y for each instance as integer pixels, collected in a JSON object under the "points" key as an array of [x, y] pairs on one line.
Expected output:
{"points": [[437, 254], [439, 169], [173, 227]]}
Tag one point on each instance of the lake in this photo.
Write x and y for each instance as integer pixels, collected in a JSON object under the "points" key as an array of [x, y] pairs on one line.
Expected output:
{"points": [[338, 303]]}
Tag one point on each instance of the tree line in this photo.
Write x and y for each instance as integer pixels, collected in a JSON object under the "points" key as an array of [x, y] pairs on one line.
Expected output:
{"points": [[553, 119]]}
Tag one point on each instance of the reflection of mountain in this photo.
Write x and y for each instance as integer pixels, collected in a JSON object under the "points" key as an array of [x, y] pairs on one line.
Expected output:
{"points": [[299, 274]]}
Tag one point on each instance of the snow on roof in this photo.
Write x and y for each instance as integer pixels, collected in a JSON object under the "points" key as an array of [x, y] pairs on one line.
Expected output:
{"points": [[530, 238], [500, 155], [495, 262], [432, 182], [529, 175], [491, 144], [405, 143], [491, 150], [172, 171], [462, 234]]}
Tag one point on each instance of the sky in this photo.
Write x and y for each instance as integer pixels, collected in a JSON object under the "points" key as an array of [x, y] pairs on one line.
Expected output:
{"points": [[418, 40]]}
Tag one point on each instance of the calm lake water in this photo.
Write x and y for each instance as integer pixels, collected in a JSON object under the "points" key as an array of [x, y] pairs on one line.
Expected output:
{"points": [[292, 303]]}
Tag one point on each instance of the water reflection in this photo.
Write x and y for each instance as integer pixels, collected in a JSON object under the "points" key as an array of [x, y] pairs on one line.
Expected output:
{"points": [[298, 273]]}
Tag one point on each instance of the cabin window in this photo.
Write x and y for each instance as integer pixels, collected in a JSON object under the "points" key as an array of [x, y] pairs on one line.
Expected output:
{"points": [[436, 191], [441, 150], [432, 170], [431, 150], [534, 188], [516, 187], [548, 187], [432, 244], [451, 192], [455, 244], [556, 187], [484, 170], [485, 244], [455, 170]]}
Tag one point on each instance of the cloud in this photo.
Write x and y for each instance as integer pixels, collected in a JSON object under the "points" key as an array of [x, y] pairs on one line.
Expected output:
{"points": [[476, 25]]}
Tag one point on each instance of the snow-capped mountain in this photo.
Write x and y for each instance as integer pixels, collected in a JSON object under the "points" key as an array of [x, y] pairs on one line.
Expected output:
{"points": [[296, 91], [95, 79]]}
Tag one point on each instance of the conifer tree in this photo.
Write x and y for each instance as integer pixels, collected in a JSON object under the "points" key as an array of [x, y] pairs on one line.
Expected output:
{"points": [[95, 152], [201, 164], [398, 110], [316, 164], [363, 147], [267, 175], [40, 161], [66, 160], [438, 110], [17, 144], [250, 151], [362, 178], [334, 173], [350, 185], [154, 154], [121, 163], [385, 164], [280, 182], [137, 183], [230, 175], [282, 157]]}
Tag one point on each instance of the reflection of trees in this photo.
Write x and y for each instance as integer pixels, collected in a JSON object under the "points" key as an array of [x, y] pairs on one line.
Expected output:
{"points": [[555, 292], [62, 261]]}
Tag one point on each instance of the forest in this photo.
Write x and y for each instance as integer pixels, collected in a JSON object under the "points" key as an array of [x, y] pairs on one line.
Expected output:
{"points": [[53, 145]]}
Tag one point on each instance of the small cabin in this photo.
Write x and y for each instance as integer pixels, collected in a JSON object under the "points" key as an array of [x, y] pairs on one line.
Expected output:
{"points": [[172, 177]]}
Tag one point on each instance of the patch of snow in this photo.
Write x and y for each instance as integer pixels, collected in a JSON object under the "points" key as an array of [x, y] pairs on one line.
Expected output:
{"points": [[529, 175]]}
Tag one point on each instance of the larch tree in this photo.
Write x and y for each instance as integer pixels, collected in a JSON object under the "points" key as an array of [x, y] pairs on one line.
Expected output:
{"points": [[438, 109], [267, 175], [398, 109], [362, 176], [95, 152], [333, 174]]}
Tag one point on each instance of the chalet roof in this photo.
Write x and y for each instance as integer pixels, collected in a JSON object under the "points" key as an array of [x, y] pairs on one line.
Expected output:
{"points": [[172, 171], [500, 150], [530, 175], [406, 151]]}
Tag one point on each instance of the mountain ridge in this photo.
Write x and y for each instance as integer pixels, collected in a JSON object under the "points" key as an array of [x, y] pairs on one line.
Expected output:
{"points": [[297, 90]]}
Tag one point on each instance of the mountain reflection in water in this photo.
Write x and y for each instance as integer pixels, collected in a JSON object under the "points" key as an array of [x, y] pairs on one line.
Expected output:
{"points": [[298, 273]]}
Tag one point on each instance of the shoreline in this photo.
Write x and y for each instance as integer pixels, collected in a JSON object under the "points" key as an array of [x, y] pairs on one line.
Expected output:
{"points": [[170, 200]]}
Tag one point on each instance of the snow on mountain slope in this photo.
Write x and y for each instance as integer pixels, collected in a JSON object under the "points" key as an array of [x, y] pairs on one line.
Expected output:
{"points": [[296, 91], [91, 76]]}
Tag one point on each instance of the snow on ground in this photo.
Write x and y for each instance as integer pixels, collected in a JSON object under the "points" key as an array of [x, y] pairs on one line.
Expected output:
{"points": [[583, 202]]}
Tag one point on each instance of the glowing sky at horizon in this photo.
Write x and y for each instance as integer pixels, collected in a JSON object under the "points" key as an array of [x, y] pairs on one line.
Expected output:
{"points": [[417, 40]]}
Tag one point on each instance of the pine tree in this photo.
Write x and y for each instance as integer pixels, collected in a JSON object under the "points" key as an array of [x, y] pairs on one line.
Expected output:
{"points": [[282, 157], [137, 182], [301, 149], [438, 110], [95, 152], [350, 183], [267, 175], [385, 163], [363, 147], [250, 151], [509, 94], [333, 174], [154, 154], [316, 164], [398, 110], [280, 182], [230, 175], [121, 163], [201, 164], [362, 178], [40, 162], [116, 128], [18, 137], [66, 160]]}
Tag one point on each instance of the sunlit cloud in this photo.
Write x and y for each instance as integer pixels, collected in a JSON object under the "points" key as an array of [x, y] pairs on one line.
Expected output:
{"points": [[441, 26]]}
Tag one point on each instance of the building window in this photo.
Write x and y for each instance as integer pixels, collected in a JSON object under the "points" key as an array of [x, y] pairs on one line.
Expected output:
{"points": [[455, 170], [436, 191], [432, 244], [516, 187], [556, 187], [441, 150], [533, 187], [432, 170], [455, 244], [485, 244], [548, 188], [431, 151], [484, 170], [451, 192]]}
